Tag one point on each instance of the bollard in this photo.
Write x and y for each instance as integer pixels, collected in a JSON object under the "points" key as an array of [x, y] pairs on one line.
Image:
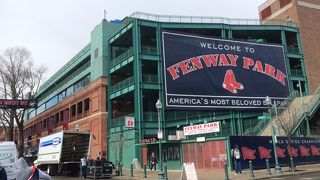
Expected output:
{"points": [[165, 172], [293, 169], [131, 170], [251, 169], [268, 167], [120, 169], [145, 171], [226, 175]]}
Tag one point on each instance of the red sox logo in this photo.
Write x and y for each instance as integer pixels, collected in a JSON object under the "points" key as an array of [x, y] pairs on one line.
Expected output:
{"points": [[230, 83]]}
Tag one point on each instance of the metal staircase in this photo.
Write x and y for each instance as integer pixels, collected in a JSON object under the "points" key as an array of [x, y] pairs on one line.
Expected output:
{"points": [[298, 109]]}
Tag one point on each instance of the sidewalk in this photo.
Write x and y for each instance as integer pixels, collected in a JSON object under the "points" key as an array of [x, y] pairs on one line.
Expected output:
{"points": [[219, 175]]}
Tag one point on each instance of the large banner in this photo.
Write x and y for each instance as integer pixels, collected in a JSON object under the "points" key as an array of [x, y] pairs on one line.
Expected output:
{"points": [[304, 150], [202, 72]]}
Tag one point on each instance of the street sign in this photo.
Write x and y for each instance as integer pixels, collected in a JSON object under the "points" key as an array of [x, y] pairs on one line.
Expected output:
{"points": [[160, 134], [129, 122]]}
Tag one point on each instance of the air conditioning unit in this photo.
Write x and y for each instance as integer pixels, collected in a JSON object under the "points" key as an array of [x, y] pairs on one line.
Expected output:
{"points": [[172, 137], [180, 135]]}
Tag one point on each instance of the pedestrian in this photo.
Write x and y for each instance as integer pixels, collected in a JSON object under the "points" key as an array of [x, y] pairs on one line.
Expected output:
{"points": [[98, 157], [153, 161], [84, 164], [3, 174], [236, 155], [25, 172]]}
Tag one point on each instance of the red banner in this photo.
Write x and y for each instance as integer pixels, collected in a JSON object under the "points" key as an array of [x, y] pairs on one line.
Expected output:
{"points": [[65, 119], [248, 153], [264, 152]]}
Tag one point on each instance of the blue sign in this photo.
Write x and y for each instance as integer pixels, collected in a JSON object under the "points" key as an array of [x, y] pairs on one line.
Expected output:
{"points": [[202, 72], [304, 150]]}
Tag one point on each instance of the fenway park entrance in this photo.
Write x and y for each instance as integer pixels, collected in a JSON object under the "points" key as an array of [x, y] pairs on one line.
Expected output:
{"points": [[205, 155]]}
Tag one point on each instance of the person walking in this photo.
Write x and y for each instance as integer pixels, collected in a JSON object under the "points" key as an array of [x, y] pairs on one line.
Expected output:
{"points": [[236, 154], [25, 172], [153, 161], [84, 163]]}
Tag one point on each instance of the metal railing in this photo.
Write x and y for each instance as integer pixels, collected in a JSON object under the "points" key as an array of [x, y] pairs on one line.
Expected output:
{"points": [[122, 84], [293, 50], [150, 116], [149, 78], [296, 72], [119, 121], [149, 50], [205, 19], [125, 55]]}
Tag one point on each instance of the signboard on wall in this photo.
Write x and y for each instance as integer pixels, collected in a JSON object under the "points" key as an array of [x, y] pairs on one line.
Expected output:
{"points": [[202, 128], [129, 122], [201, 72], [23, 104], [304, 150]]}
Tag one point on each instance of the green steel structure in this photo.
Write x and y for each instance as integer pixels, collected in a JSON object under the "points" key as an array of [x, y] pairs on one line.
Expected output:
{"points": [[128, 52]]}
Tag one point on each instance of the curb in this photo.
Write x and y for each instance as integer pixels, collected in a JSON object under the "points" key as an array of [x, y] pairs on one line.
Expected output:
{"points": [[286, 175]]}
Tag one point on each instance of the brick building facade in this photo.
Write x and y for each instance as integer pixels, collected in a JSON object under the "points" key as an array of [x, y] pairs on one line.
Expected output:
{"points": [[305, 14]]}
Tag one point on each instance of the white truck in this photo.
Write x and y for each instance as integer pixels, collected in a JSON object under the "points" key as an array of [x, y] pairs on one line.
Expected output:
{"points": [[61, 152], [8, 157]]}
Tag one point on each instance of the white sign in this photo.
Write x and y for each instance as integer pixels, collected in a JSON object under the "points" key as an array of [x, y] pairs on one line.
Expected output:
{"points": [[130, 122], [201, 139], [160, 134], [202, 128], [50, 148], [189, 172]]}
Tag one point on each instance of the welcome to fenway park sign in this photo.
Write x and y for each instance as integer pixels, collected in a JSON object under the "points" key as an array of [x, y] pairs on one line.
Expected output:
{"points": [[202, 72], [17, 104], [257, 149]]}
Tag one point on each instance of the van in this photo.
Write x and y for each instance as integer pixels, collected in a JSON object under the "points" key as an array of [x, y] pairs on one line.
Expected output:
{"points": [[8, 157]]}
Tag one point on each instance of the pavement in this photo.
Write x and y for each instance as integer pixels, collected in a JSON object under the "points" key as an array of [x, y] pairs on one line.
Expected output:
{"points": [[220, 175]]}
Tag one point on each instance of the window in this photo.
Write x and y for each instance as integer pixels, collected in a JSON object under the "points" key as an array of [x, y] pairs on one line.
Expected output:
{"points": [[53, 101], [86, 104], [69, 91], [79, 106], [41, 108], [266, 12], [32, 114], [73, 110], [284, 3], [61, 96]]}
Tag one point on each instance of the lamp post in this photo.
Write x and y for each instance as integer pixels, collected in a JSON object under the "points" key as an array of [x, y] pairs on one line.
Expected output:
{"points": [[160, 134], [278, 168]]}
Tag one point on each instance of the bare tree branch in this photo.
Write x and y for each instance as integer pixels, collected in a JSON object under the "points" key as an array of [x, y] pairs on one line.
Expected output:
{"points": [[18, 77]]}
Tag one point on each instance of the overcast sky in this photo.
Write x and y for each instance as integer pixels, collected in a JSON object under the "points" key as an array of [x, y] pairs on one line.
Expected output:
{"points": [[54, 31]]}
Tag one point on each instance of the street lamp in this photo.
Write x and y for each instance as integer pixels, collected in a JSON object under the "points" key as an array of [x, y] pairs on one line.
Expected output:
{"points": [[269, 104], [160, 135]]}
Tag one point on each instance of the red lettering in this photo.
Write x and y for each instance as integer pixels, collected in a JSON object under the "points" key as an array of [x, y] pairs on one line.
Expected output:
{"points": [[173, 70], [258, 67], [281, 77], [196, 63], [223, 61], [210, 59], [247, 62], [233, 59], [269, 70]]}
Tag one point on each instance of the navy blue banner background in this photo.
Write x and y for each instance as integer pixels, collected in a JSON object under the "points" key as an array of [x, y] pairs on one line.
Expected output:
{"points": [[253, 143], [203, 88]]}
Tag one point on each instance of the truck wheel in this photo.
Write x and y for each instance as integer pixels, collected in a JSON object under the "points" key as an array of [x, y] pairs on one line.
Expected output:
{"points": [[52, 169]]}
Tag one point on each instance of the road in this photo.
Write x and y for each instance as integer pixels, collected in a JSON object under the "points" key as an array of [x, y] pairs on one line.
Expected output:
{"points": [[312, 176]]}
